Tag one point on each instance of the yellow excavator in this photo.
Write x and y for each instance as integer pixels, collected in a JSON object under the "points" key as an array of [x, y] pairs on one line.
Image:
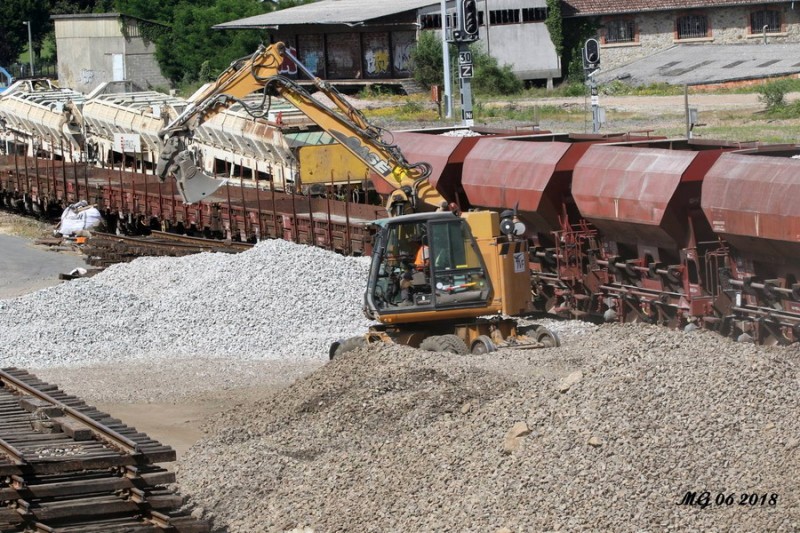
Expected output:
{"points": [[261, 72], [439, 281], [446, 282]]}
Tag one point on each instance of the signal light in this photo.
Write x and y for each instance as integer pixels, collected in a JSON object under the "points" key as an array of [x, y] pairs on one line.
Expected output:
{"points": [[470, 25], [591, 54]]}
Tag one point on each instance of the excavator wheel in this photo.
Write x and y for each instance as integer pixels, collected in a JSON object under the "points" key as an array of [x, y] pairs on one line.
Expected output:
{"points": [[547, 337], [483, 344], [445, 343], [346, 345]]}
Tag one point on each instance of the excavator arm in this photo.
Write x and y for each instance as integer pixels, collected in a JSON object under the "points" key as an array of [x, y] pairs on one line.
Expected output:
{"points": [[261, 71]]}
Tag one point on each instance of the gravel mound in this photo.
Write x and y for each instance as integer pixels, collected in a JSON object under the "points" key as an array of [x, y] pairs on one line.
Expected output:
{"points": [[607, 433], [277, 301]]}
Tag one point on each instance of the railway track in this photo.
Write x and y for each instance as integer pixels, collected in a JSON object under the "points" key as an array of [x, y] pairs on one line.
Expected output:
{"points": [[67, 467], [104, 249]]}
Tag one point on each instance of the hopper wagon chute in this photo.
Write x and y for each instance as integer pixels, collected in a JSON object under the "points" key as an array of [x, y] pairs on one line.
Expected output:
{"points": [[751, 202], [118, 109], [645, 202], [39, 116]]}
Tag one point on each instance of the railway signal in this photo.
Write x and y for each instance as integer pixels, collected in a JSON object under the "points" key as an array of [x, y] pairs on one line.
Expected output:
{"points": [[470, 20], [466, 32], [591, 55], [591, 64]]}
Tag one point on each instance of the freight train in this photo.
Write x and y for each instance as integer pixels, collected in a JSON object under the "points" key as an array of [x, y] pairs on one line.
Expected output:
{"points": [[674, 232], [621, 227]]}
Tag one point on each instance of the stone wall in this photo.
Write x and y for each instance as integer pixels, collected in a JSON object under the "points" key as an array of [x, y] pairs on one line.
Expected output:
{"points": [[656, 32]]}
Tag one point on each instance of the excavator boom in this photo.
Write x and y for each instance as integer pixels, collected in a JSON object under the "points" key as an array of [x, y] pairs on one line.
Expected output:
{"points": [[261, 71]]}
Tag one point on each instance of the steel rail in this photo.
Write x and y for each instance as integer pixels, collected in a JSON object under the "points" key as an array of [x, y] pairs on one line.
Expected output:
{"points": [[103, 432], [16, 456], [199, 240]]}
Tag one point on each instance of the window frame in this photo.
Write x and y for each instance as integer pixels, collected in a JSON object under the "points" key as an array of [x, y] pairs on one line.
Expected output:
{"points": [[512, 16], [781, 28], [630, 21], [708, 30], [533, 15]]}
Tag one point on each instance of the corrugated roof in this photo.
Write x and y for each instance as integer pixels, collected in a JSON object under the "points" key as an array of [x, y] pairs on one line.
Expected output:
{"points": [[610, 7], [329, 12]]}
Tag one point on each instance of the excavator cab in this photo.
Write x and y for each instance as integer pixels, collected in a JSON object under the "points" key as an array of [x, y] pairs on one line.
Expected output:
{"points": [[449, 283], [426, 263]]}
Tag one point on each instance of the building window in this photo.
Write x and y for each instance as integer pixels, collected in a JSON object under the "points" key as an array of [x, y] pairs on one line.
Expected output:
{"points": [[693, 26], [765, 17], [504, 16], [534, 14], [620, 31], [431, 21]]}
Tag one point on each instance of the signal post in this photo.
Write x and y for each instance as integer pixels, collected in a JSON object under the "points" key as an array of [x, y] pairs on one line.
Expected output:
{"points": [[467, 32], [591, 64]]}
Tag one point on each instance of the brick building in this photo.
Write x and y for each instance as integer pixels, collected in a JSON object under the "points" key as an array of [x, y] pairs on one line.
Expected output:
{"points": [[630, 30]]}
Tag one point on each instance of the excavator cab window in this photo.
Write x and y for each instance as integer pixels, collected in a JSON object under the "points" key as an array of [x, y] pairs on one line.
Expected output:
{"points": [[426, 265], [458, 274]]}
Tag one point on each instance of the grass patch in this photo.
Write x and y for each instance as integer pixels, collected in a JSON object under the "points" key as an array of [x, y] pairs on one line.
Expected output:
{"points": [[784, 112], [411, 111], [27, 228]]}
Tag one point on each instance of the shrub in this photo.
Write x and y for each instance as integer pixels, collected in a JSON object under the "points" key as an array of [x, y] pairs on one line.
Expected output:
{"points": [[427, 59], [491, 78], [773, 94]]}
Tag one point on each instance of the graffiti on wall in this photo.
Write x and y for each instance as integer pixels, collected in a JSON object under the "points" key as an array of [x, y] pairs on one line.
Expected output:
{"points": [[312, 61], [402, 56], [377, 61], [288, 66], [403, 45], [86, 77]]}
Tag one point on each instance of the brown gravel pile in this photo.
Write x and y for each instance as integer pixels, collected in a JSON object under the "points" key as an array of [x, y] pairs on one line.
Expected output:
{"points": [[607, 433]]}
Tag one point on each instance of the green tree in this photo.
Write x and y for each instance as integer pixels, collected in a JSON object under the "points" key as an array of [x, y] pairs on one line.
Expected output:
{"points": [[492, 78], [555, 25], [14, 34], [427, 59], [192, 41], [158, 11]]}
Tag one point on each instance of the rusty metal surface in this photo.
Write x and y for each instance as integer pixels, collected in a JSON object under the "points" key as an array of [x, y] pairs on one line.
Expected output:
{"points": [[444, 153], [751, 200], [501, 173], [640, 195], [136, 200]]}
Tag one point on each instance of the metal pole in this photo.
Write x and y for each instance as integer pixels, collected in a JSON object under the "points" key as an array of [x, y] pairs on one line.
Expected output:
{"points": [[686, 110], [258, 202], [349, 244], [595, 102], [465, 83], [244, 204], [274, 210], [30, 45], [448, 91], [328, 198]]}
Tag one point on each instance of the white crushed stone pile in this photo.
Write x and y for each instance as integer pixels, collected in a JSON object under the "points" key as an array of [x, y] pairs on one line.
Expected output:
{"points": [[607, 433], [278, 300]]}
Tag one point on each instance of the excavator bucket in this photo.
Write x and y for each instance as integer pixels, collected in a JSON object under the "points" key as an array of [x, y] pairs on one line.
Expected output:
{"points": [[193, 184]]}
